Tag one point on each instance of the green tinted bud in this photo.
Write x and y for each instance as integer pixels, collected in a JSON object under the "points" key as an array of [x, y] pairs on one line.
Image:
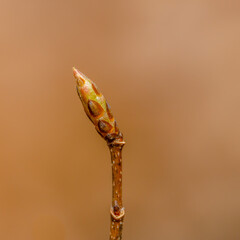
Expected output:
{"points": [[96, 107]]}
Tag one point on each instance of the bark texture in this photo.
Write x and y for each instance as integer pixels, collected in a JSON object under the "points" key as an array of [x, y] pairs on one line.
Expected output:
{"points": [[117, 211]]}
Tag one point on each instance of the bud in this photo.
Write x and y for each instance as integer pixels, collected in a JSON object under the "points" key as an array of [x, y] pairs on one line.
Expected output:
{"points": [[97, 108]]}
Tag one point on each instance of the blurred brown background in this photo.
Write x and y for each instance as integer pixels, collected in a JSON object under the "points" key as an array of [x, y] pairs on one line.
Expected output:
{"points": [[171, 72]]}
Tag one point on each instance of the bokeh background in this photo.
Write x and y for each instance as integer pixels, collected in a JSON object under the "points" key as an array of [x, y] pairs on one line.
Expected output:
{"points": [[171, 72]]}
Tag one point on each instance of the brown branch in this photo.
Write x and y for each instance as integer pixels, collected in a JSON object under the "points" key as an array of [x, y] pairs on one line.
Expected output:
{"points": [[117, 211]]}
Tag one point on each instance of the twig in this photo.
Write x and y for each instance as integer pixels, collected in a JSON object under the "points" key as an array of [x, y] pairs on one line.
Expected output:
{"points": [[117, 210], [99, 112]]}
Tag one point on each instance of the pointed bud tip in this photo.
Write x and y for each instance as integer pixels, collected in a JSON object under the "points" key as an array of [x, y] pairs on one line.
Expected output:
{"points": [[79, 77], [75, 72]]}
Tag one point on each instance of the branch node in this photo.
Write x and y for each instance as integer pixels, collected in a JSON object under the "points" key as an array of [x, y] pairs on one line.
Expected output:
{"points": [[119, 215]]}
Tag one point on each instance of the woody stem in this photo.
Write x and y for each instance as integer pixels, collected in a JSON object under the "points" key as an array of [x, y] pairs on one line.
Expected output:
{"points": [[117, 209]]}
